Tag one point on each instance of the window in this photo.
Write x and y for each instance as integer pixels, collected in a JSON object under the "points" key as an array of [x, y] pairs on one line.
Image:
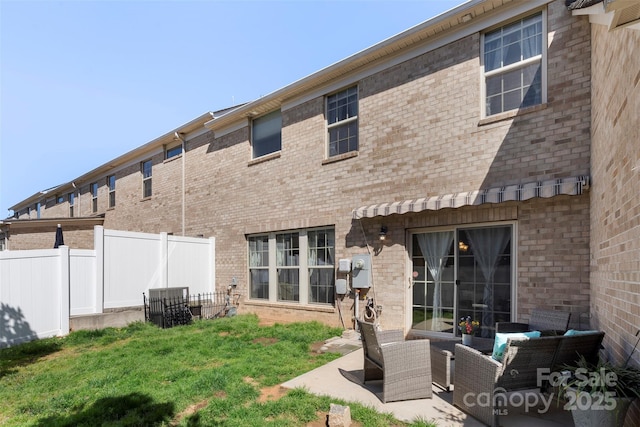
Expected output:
{"points": [[460, 272], [266, 134], [173, 152], [111, 183], [59, 199], [259, 267], [72, 202], [94, 197], [321, 248], [342, 121], [288, 263], [146, 179], [294, 266], [38, 206], [513, 65]]}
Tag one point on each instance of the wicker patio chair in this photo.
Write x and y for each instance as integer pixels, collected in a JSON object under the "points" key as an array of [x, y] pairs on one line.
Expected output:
{"points": [[549, 322], [403, 366], [479, 378], [587, 345]]}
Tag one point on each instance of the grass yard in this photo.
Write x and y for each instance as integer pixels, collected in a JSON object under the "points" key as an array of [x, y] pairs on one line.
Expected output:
{"points": [[223, 372]]}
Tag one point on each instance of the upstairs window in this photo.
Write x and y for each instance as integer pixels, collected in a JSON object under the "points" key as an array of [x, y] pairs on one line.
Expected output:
{"points": [[59, 199], [111, 183], [146, 179], [94, 197], [173, 152], [72, 202], [513, 65], [342, 121], [266, 134]]}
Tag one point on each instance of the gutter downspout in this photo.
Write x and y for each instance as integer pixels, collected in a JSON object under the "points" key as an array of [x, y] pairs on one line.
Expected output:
{"points": [[184, 155]]}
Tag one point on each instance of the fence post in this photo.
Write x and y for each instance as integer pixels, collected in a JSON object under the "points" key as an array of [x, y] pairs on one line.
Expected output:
{"points": [[65, 283], [164, 260], [98, 246]]}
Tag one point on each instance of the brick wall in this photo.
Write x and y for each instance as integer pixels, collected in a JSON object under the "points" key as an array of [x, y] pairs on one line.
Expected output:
{"points": [[615, 204], [420, 134], [37, 238]]}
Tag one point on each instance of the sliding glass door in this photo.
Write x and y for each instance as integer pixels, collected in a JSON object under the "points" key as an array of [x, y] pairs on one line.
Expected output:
{"points": [[461, 272], [433, 259]]}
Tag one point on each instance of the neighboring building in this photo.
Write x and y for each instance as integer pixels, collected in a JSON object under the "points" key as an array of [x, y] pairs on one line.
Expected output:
{"points": [[495, 146]]}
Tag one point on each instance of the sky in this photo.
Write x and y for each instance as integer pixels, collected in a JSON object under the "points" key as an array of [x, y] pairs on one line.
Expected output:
{"points": [[83, 82]]}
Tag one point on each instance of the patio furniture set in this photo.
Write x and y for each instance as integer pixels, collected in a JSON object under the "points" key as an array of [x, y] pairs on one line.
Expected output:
{"points": [[408, 368]]}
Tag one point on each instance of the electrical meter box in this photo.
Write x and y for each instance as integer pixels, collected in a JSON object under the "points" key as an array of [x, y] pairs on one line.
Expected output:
{"points": [[361, 273], [341, 286]]}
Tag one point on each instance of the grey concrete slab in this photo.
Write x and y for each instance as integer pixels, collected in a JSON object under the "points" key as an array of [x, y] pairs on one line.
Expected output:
{"points": [[342, 379]]}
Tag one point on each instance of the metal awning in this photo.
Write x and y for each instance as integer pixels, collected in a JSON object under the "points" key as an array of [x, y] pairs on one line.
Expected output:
{"points": [[571, 186]]}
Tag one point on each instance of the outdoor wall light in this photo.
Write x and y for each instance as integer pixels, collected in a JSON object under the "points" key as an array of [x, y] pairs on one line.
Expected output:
{"points": [[383, 233]]}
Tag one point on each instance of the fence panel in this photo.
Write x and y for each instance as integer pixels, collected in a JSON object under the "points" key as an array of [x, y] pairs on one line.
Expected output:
{"points": [[30, 295], [40, 289], [191, 263], [82, 275], [132, 264]]}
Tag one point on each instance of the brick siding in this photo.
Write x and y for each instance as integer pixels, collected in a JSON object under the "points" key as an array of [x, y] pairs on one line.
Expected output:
{"points": [[420, 134]]}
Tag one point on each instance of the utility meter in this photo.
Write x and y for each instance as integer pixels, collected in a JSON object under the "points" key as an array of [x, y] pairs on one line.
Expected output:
{"points": [[361, 275]]}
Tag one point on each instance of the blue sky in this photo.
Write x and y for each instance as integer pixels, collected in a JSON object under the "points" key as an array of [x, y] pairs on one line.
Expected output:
{"points": [[82, 82]]}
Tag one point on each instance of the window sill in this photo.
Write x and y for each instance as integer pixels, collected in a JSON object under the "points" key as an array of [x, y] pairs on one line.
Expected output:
{"points": [[511, 114], [144, 199], [171, 159], [340, 157], [264, 158], [322, 308]]}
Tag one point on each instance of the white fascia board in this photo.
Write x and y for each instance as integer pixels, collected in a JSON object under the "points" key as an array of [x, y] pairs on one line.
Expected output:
{"points": [[597, 14], [520, 7], [196, 133]]}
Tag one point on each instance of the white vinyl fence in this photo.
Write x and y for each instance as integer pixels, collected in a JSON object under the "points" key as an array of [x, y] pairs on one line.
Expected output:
{"points": [[40, 289]]}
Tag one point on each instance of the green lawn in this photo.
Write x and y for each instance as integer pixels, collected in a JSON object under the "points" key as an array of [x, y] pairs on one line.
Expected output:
{"points": [[210, 373]]}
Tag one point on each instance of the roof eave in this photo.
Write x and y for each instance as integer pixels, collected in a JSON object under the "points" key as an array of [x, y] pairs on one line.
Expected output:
{"points": [[455, 17], [153, 145]]}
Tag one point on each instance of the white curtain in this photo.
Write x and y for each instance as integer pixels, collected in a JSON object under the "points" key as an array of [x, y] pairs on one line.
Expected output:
{"points": [[280, 254], [435, 248], [487, 245]]}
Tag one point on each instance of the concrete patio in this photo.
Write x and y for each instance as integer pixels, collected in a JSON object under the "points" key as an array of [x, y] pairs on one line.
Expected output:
{"points": [[342, 379]]}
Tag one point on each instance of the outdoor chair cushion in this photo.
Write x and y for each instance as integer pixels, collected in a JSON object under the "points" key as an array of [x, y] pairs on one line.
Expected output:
{"points": [[501, 341]]}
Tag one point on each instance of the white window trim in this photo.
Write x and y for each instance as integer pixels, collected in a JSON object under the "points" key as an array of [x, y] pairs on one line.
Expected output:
{"points": [[167, 148], [144, 179], [303, 268], [251, 131], [328, 126], [111, 191], [538, 58], [514, 262]]}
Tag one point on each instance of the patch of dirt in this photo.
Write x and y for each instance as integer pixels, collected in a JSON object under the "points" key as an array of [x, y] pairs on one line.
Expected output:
{"points": [[271, 393], [316, 346], [265, 341], [189, 411]]}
